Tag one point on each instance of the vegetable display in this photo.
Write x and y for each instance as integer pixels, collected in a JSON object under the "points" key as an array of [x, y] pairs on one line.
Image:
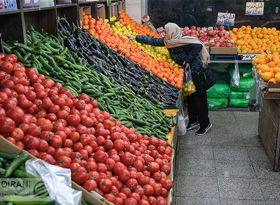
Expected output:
{"points": [[51, 58], [102, 31], [13, 166], [110, 63], [104, 156]]}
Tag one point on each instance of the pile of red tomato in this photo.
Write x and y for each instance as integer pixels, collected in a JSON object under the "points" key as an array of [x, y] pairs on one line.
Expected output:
{"points": [[54, 125]]}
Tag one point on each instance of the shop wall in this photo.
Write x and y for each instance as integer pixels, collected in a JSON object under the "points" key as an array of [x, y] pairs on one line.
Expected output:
{"points": [[134, 9], [204, 12]]}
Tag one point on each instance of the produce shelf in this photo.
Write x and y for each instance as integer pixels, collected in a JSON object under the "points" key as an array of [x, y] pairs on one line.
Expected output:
{"points": [[9, 12], [230, 61], [38, 9], [65, 5]]}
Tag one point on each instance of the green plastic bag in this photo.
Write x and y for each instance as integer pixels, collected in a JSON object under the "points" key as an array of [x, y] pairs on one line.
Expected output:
{"points": [[244, 84], [236, 94], [245, 70], [233, 102], [215, 103], [219, 90]]}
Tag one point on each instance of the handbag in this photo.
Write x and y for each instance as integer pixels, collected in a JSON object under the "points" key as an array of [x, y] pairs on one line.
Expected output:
{"points": [[203, 80]]}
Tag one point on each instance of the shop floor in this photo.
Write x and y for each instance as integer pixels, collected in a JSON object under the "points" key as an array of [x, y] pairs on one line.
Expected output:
{"points": [[228, 166]]}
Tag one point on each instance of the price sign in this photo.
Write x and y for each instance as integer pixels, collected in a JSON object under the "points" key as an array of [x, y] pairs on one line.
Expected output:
{"points": [[226, 19], [254, 8], [249, 57]]}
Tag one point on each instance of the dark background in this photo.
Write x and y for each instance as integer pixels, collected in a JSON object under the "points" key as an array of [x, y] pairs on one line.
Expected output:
{"points": [[194, 12]]}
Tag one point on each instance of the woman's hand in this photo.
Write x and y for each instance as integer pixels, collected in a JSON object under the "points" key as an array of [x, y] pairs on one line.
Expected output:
{"points": [[130, 37]]}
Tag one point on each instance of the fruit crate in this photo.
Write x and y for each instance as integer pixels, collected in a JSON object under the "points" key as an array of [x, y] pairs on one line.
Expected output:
{"points": [[269, 130]]}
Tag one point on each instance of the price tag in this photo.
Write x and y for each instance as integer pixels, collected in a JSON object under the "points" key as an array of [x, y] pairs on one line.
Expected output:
{"points": [[226, 19], [254, 8], [249, 57]]}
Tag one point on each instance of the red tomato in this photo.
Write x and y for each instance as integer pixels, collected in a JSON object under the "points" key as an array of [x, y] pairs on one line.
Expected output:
{"points": [[34, 152], [90, 185], [78, 146], [123, 174], [168, 184], [7, 67], [85, 139], [80, 176], [46, 135], [139, 190], [80, 104], [43, 145], [115, 157], [110, 163], [74, 136], [148, 190], [105, 185], [3, 97], [84, 154], [91, 166], [138, 164], [68, 143], [131, 183], [12, 140], [119, 201], [52, 117], [45, 124], [100, 156], [128, 158], [101, 168], [17, 134], [64, 161], [6, 125], [143, 202], [152, 200], [126, 191], [56, 141], [130, 201], [110, 197], [20, 145], [166, 169], [153, 167], [33, 143], [164, 192], [94, 175], [51, 150]]}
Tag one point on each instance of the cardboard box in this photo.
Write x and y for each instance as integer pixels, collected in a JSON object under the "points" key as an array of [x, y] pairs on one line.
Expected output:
{"points": [[223, 50], [86, 9], [101, 11], [8, 147]]}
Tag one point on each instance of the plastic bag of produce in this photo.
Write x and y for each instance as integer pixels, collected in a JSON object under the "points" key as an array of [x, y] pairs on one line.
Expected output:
{"points": [[237, 94], [182, 119], [244, 84], [219, 90], [215, 103], [245, 71], [235, 102], [188, 87], [255, 99], [57, 181], [236, 75]]}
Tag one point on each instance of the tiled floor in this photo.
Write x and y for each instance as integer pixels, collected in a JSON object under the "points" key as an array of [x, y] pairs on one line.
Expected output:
{"points": [[227, 167]]}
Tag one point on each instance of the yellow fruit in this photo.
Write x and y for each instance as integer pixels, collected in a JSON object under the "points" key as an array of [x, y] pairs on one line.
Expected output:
{"points": [[267, 76]]}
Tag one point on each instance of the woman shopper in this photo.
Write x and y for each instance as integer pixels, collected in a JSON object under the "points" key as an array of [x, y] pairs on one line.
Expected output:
{"points": [[186, 50]]}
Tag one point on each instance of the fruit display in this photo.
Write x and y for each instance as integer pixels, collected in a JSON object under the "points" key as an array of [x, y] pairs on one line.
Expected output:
{"points": [[48, 55], [111, 64], [157, 52], [215, 37], [268, 67], [53, 124], [140, 29], [256, 40], [120, 44]]}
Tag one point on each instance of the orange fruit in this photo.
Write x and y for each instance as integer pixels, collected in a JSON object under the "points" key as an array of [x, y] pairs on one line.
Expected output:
{"points": [[267, 76]]}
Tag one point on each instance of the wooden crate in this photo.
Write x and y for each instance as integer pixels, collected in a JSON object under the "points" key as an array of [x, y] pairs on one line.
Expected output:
{"points": [[269, 125], [7, 147]]}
